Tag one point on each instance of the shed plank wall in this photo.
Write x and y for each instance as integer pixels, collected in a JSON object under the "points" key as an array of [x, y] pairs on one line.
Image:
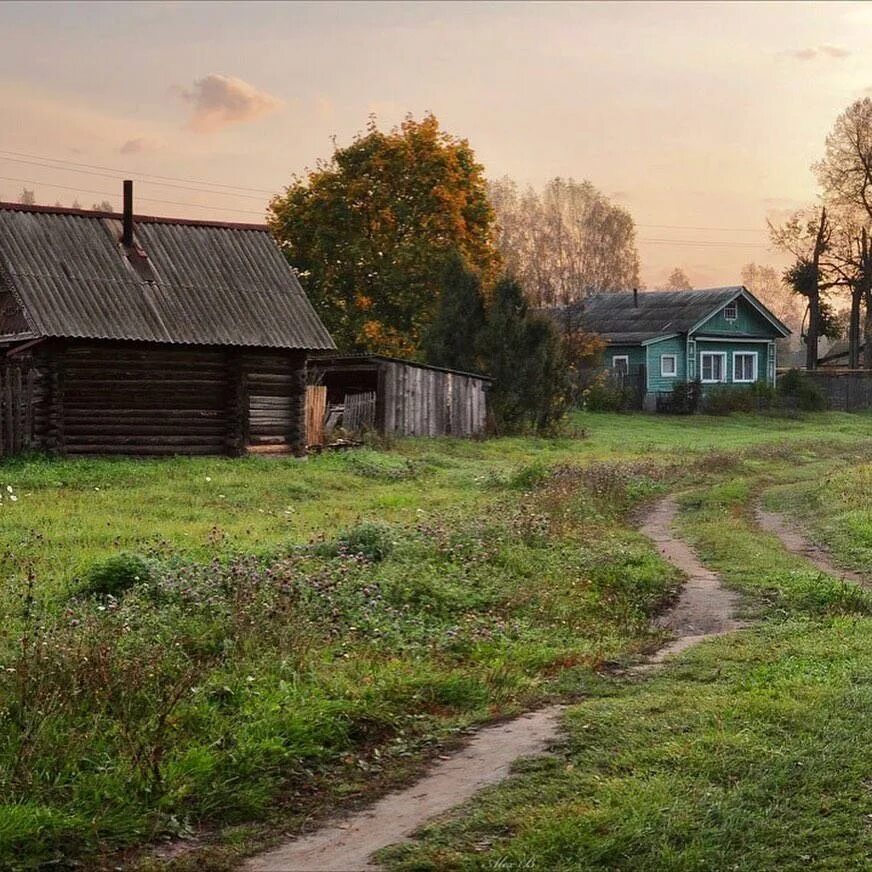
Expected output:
{"points": [[425, 402]]}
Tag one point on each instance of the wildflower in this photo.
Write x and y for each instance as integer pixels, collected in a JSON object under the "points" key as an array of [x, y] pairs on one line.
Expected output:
{"points": [[9, 488]]}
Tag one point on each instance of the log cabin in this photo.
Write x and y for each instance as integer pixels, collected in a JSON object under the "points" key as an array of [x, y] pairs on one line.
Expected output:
{"points": [[144, 335]]}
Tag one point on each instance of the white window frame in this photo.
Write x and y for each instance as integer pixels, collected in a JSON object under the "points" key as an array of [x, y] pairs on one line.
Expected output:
{"points": [[674, 359], [731, 307], [713, 381], [625, 358], [756, 367]]}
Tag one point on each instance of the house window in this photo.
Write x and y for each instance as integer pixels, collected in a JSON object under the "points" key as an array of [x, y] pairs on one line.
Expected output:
{"points": [[745, 366], [621, 363], [731, 311], [713, 366], [668, 365]]}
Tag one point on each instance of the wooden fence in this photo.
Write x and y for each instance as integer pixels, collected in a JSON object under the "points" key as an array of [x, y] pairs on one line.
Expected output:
{"points": [[359, 413], [846, 390], [16, 408]]}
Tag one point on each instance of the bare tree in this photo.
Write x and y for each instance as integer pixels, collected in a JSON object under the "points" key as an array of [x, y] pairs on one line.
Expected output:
{"points": [[27, 198], [565, 243], [845, 173], [807, 237]]}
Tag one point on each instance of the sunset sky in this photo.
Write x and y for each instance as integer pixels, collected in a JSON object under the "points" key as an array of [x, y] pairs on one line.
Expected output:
{"points": [[701, 118]]}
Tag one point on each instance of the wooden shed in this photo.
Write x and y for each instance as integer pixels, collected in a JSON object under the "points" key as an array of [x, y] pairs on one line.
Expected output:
{"points": [[405, 398], [144, 335]]}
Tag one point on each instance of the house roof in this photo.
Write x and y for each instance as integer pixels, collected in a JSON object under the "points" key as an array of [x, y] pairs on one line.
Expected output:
{"points": [[621, 319], [839, 350], [191, 282]]}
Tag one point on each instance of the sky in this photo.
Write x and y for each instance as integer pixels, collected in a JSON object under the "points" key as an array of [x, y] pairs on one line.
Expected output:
{"points": [[702, 119]]}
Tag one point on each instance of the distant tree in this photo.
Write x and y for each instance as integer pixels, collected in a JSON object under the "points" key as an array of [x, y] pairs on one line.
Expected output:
{"points": [[767, 285], [370, 231], [522, 351], [27, 198], [103, 206], [807, 237], [452, 338], [677, 281], [76, 204], [565, 243]]}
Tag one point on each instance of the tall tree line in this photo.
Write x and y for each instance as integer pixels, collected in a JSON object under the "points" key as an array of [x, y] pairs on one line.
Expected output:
{"points": [[832, 242]]}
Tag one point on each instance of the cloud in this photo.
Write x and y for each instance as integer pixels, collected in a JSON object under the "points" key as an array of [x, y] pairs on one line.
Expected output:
{"points": [[138, 145], [811, 53], [219, 100]]}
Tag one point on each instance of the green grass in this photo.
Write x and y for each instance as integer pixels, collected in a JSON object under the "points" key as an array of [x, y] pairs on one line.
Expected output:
{"points": [[301, 632], [745, 753]]}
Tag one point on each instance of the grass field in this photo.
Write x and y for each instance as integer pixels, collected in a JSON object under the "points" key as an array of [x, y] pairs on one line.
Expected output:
{"points": [[746, 753], [304, 632]]}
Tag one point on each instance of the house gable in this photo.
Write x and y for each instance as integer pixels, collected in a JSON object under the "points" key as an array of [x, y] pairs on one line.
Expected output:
{"points": [[752, 319]]}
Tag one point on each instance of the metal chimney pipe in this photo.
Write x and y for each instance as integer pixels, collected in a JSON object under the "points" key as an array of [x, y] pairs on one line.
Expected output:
{"points": [[127, 235], [636, 298]]}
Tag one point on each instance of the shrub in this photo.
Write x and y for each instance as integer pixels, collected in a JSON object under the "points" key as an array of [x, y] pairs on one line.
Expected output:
{"points": [[725, 399], [604, 394], [683, 399], [116, 574], [370, 539]]}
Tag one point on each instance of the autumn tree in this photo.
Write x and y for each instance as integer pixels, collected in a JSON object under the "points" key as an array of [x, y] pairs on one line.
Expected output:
{"points": [[370, 231], [566, 242]]}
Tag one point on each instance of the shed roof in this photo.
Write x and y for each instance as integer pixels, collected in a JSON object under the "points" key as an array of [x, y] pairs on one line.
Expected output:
{"points": [[350, 361], [200, 282], [621, 319]]}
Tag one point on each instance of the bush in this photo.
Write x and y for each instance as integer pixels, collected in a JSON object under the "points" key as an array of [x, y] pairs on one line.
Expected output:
{"points": [[797, 386], [369, 539], [725, 399], [604, 394], [683, 399], [116, 574]]}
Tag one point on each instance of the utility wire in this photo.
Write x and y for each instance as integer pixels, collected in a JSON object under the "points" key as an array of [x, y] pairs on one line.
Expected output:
{"points": [[143, 175], [145, 199], [128, 175]]}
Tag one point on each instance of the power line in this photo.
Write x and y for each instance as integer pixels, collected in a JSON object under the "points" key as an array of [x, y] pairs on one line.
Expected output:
{"points": [[143, 175], [688, 227], [145, 199], [127, 175], [704, 243]]}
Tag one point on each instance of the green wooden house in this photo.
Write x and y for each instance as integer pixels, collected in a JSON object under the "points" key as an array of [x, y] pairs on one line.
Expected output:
{"points": [[721, 336]]}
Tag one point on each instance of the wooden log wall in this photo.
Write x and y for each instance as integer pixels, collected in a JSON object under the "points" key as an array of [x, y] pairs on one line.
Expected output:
{"points": [[17, 391], [110, 398], [127, 398], [416, 401], [276, 390]]}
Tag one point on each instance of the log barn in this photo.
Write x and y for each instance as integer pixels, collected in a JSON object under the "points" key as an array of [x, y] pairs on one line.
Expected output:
{"points": [[407, 398], [142, 335]]}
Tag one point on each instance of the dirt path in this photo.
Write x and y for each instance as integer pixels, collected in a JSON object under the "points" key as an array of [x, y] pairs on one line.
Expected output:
{"points": [[347, 845], [704, 609], [796, 543]]}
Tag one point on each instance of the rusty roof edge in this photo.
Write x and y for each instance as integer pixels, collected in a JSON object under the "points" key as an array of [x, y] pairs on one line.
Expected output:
{"points": [[145, 219]]}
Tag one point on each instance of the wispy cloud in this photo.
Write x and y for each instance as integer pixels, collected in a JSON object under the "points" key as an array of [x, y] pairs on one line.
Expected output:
{"points": [[138, 145], [811, 53], [217, 100]]}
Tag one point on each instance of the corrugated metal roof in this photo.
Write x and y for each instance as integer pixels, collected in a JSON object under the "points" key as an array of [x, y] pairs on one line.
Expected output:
{"points": [[214, 284], [621, 318], [352, 360]]}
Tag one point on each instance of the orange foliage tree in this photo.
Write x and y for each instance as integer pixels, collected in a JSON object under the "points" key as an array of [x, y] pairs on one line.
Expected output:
{"points": [[369, 232]]}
